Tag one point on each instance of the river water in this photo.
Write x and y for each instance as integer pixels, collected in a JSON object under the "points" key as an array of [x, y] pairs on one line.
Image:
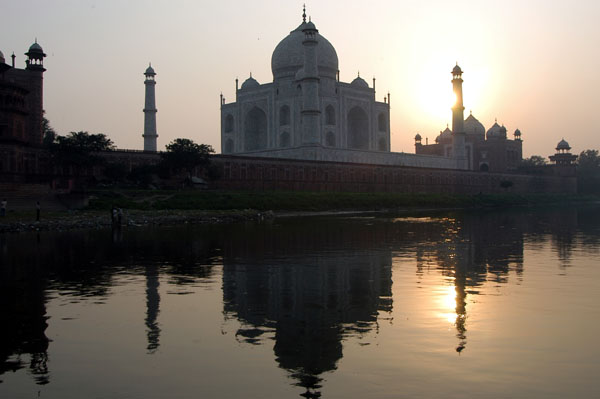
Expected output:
{"points": [[465, 304]]}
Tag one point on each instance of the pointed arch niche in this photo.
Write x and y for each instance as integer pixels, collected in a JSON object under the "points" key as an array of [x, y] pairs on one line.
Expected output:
{"points": [[255, 130], [358, 129]]}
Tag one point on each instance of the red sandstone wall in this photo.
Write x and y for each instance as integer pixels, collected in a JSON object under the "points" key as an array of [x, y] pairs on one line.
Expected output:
{"points": [[239, 172]]}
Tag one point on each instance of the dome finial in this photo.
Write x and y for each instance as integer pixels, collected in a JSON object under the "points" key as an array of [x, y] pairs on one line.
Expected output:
{"points": [[304, 12]]}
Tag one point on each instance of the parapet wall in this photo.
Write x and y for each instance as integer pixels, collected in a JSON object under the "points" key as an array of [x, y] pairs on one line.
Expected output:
{"points": [[253, 173], [320, 153]]}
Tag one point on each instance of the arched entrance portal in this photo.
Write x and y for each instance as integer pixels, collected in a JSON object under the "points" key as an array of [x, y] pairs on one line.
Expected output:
{"points": [[255, 130], [358, 129]]}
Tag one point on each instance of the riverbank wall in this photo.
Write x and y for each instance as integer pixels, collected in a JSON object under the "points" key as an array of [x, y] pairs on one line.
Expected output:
{"points": [[254, 173]]}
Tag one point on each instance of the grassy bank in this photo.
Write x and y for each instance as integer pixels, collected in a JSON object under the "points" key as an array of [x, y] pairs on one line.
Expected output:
{"points": [[312, 201]]}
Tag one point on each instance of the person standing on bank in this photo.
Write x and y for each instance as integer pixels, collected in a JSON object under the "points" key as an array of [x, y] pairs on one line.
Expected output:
{"points": [[37, 211], [3, 207]]}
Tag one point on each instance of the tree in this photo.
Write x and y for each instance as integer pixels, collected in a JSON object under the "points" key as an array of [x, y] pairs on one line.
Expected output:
{"points": [[48, 133], [533, 164], [79, 149], [588, 172], [185, 154]]}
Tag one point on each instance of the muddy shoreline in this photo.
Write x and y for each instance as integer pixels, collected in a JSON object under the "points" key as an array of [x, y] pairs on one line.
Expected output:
{"points": [[102, 220]]}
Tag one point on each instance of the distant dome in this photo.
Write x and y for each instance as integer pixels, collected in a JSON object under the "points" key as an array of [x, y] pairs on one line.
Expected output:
{"points": [[456, 70], [563, 145], [360, 82], [446, 134], [250, 83], [517, 133], [35, 48], [150, 71], [496, 132], [288, 56], [418, 137], [473, 127]]}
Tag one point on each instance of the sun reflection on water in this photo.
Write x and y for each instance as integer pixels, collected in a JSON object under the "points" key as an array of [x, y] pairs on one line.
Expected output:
{"points": [[447, 302]]}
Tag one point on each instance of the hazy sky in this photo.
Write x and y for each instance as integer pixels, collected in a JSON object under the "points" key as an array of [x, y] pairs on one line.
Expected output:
{"points": [[534, 65]]}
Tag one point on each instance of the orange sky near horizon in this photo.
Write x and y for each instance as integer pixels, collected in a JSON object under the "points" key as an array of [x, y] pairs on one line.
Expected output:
{"points": [[533, 66]]}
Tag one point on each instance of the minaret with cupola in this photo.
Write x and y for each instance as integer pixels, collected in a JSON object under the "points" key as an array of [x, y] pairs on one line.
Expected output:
{"points": [[458, 128], [35, 68], [150, 110], [311, 110]]}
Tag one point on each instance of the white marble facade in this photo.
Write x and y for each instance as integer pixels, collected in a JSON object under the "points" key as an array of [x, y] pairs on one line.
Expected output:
{"points": [[270, 116]]}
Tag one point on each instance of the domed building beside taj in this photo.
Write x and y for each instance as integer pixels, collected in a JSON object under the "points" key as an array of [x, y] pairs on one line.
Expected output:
{"points": [[486, 151], [306, 105]]}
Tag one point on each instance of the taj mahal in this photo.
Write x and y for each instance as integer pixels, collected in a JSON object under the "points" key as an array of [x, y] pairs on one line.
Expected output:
{"points": [[307, 113]]}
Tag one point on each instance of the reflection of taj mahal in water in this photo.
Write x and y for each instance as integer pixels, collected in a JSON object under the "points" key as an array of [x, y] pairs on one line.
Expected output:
{"points": [[308, 113]]}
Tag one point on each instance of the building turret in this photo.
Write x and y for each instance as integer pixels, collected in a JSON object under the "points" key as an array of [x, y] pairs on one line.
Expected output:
{"points": [[35, 68], [35, 57], [150, 110], [458, 129], [563, 154], [518, 135], [564, 162], [309, 76]]}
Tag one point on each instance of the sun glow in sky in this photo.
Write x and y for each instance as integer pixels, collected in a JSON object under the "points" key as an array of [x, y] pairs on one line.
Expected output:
{"points": [[533, 65]]}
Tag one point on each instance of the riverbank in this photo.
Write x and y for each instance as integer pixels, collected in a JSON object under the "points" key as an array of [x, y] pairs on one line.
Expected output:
{"points": [[16, 222], [158, 208], [306, 201]]}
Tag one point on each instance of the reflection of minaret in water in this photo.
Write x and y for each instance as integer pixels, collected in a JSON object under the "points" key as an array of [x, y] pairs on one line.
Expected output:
{"points": [[152, 308], [460, 283]]}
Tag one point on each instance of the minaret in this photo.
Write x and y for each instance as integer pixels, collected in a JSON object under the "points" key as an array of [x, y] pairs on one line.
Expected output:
{"points": [[150, 135], [458, 129], [35, 68], [311, 110]]}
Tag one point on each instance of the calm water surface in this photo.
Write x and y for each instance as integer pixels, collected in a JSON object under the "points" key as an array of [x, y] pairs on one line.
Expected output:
{"points": [[487, 304]]}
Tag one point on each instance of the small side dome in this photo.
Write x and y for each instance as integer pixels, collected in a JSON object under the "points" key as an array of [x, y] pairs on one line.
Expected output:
{"points": [[250, 83], [447, 133], [517, 133], [360, 82], [418, 137], [456, 70], [473, 127], [563, 145], [496, 132]]}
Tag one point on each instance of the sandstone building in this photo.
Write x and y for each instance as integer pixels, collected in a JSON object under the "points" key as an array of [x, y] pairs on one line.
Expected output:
{"points": [[21, 113]]}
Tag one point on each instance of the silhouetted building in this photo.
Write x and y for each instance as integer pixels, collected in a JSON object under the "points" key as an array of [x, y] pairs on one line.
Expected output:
{"points": [[21, 113], [486, 152]]}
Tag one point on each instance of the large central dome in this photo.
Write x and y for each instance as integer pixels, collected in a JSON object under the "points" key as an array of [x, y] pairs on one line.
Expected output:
{"points": [[288, 56]]}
